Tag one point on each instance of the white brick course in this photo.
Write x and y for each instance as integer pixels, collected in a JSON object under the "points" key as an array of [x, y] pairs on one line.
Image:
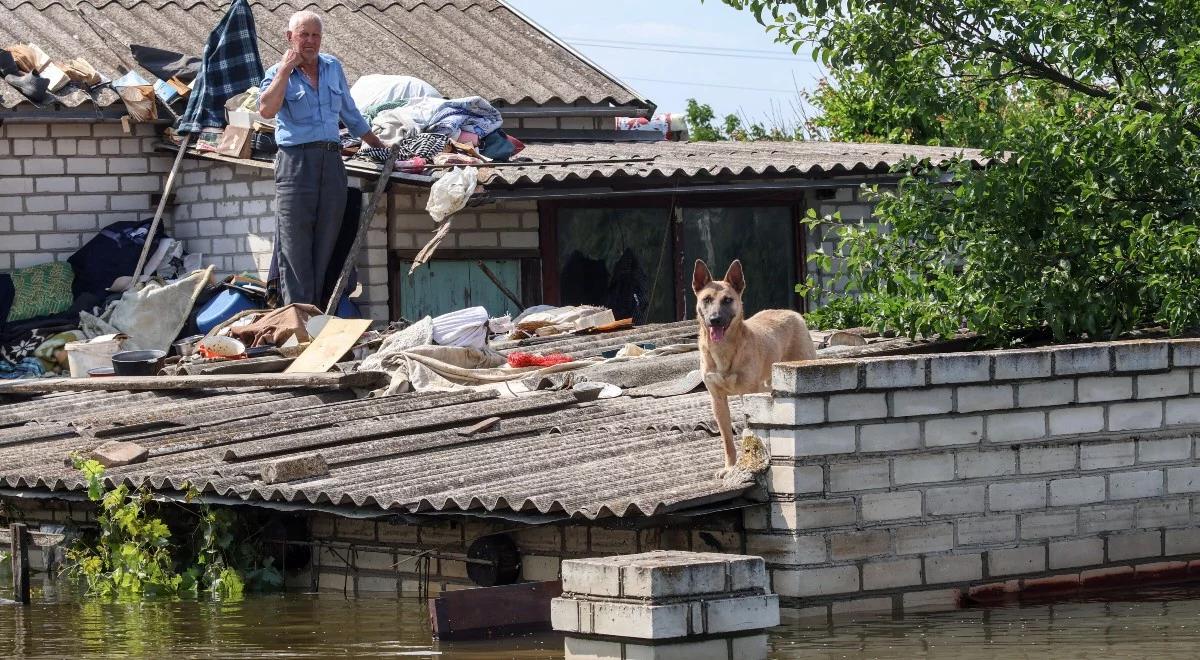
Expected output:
{"points": [[1134, 416], [1076, 491], [953, 431], [888, 437], [923, 469], [1076, 421], [1013, 561], [984, 397], [1011, 496], [877, 507], [1013, 427], [1135, 484], [908, 403]]}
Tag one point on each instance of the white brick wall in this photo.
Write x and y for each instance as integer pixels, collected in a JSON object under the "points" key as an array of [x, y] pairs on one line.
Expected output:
{"points": [[60, 183], [986, 472]]}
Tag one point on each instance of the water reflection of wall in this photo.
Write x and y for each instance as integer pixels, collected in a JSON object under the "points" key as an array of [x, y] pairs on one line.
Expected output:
{"points": [[752, 647]]}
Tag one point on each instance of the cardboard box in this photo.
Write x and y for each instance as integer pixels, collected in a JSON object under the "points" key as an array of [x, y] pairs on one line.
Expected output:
{"points": [[235, 141]]}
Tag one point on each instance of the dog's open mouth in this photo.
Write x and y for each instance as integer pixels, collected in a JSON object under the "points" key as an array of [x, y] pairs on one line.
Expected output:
{"points": [[716, 333]]}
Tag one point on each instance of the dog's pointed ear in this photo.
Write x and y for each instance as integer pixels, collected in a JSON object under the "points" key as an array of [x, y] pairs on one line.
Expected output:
{"points": [[734, 276], [700, 276]]}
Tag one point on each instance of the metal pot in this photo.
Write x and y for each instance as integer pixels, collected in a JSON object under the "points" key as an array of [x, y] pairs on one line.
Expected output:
{"points": [[138, 363], [187, 346]]}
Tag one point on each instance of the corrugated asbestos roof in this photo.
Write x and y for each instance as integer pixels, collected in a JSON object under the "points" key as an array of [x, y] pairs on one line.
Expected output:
{"points": [[403, 454], [715, 159], [462, 47]]}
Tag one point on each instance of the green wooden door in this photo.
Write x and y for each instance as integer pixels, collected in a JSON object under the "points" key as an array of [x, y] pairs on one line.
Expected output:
{"points": [[444, 286]]}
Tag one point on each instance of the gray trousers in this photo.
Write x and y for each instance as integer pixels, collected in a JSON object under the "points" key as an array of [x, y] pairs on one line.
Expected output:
{"points": [[310, 200]]}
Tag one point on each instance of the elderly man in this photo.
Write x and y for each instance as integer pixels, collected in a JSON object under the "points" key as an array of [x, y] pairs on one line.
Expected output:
{"points": [[307, 93]]}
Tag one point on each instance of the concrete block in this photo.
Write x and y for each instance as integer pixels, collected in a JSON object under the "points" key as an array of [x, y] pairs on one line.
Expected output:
{"points": [[860, 544], [1105, 388], [793, 411], [1185, 352], [1182, 541], [923, 469], [974, 398], [1051, 458], [599, 576], [891, 506], [986, 530], [940, 600], [293, 468], [960, 368], [814, 441], [1164, 449], [815, 377], [809, 514], [1147, 355], [894, 373], [1132, 416], [1172, 383], [1015, 561], [1076, 491], [115, 453], [785, 548], [1017, 495], [909, 403], [1081, 360], [796, 479], [844, 407], [953, 431], [623, 619], [1017, 426], [923, 538], [953, 568], [1076, 421], [891, 574], [1183, 411], [1076, 552], [864, 475], [669, 574], [1104, 455], [727, 615], [1105, 518], [889, 437], [981, 464], [1183, 480], [1020, 365], [1134, 545], [1048, 524], [955, 500], [1167, 513], [1139, 483], [1046, 393], [808, 582]]}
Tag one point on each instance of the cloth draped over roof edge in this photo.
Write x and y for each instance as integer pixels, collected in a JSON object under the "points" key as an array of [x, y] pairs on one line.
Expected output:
{"points": [[230, 65]]}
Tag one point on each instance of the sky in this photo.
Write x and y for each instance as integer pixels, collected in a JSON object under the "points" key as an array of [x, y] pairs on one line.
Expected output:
{"points": [[731, 63]]}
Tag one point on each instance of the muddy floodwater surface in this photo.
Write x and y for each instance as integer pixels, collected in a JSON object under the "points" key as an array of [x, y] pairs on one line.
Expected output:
{"points": [[1150, 623]]}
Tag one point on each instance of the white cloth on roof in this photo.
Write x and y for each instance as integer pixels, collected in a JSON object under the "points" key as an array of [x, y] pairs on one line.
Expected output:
{"points": [[465, 327], [379, 88]]}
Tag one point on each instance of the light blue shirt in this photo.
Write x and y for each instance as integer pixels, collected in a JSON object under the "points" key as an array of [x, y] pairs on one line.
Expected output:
{"points": [[311, 115]]}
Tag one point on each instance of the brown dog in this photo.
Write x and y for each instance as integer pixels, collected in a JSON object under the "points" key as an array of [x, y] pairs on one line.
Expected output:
{"points": [[736, 353]]}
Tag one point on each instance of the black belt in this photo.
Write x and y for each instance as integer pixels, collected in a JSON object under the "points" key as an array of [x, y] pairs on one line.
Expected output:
{"points": [[323, 146]]}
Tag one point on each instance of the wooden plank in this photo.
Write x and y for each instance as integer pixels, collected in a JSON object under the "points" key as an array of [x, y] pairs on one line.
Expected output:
{"points": [[336, 338], [479, 426], [271, 364], [367, 379], [488, 612], [20, 561]]}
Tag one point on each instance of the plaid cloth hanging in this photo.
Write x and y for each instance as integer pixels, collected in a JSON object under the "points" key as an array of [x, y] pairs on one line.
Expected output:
{"points": [[230, 66]]}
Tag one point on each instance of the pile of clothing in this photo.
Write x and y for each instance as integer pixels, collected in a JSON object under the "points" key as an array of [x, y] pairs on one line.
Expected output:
{"points": [[45, 306], [427, 128]]}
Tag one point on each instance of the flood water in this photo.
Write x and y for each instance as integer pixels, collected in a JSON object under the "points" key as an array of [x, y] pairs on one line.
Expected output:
{"points": [[1152, 623]]}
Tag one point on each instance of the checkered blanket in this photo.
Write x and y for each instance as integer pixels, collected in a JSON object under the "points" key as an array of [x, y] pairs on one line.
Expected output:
{"points": [[229, 67]]}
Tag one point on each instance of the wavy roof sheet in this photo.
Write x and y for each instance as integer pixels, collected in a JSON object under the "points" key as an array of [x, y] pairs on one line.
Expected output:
{"points": [[403, 454], [462, 47], [713, 159]]}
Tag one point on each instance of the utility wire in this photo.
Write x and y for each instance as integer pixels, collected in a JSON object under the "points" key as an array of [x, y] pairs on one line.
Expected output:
{"points": [[708, 84], [702, 48], [759, 58]]}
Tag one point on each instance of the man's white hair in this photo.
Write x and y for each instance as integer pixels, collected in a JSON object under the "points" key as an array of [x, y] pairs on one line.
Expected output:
{"points": [[304, 16]]}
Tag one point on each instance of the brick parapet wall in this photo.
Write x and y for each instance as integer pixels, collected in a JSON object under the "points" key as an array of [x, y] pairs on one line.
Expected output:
{"points": [[916, 481], [500, 227], [61, 182]]}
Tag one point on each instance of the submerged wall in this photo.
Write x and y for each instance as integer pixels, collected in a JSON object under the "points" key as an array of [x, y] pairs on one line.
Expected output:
{"points": [[926, 481]]}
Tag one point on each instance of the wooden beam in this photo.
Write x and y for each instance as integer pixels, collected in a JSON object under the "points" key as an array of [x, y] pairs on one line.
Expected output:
{"points": [[20, 562], [366, 379]]}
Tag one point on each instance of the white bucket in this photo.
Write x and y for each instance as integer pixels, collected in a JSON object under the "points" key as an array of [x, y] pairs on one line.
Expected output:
{"points": [[85, 355]]}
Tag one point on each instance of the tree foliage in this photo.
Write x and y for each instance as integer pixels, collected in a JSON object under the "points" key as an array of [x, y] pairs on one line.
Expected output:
{"points": [[1084, 223]]}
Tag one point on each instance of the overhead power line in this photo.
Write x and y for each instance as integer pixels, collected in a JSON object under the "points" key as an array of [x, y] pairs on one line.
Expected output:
{"points": [[704, 84], [703, 53], [706, 48]]}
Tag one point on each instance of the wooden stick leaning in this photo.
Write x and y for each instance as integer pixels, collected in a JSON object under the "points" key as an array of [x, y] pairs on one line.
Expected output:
{"points": [[158, 213], [364, 225], [500, 285]]}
